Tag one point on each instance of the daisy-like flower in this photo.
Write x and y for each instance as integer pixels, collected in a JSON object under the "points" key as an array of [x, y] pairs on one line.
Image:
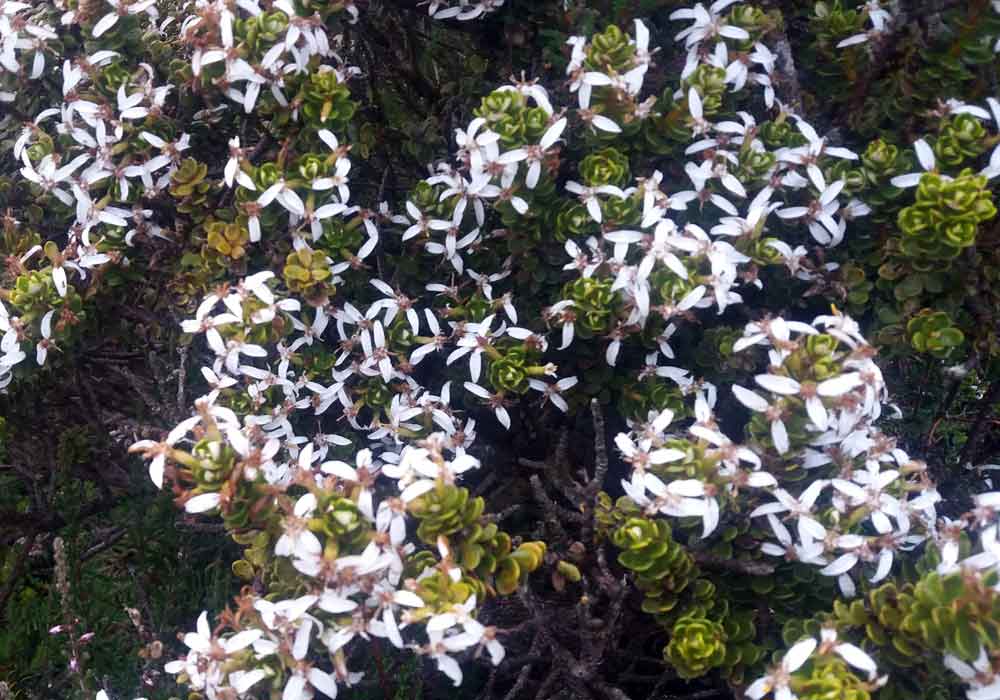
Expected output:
{"points": [[363, 474], [879, 18], [160, 450], [993, 168], [122, 8], [707, 24], [47, 176], [207, 655], [818, 215], [286, 197], [419, 468], [983, 681], [553, 392], [498, 402], [801, 508], [809, 551], [774, 414], [588, 195], [696, 111], [811, 392], [46, 342], [778, 680], [535, 154], [233, 171], [925, 156], [852, 654], [377, 357], [474, 342], [297, 540]]}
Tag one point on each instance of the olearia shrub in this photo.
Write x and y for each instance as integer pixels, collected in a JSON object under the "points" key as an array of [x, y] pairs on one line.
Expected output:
{"points": [[651, 224]]}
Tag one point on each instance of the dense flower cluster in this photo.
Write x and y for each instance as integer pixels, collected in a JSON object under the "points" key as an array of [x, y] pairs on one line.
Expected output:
{"points": [[367, 531]]}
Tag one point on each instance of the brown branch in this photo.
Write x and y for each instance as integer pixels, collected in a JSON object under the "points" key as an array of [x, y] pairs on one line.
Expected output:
{"points": [[109, 541], [788, 73], [10, 585], [504, 514], [949, 399], [600, 473], [17, 525], [750, 568], [976, 433], [182, 351], [697, 695], [525, 673]]}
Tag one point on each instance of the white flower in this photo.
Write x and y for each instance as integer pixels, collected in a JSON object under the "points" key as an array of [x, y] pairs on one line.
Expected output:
{"points": [[588, 195], [535, 155], [459, 613], [699, 125], [819, 214], [204, 642], [707, 24], [984, 683], [800, 508], [925, 155], [850, 653], [302, 682], [495, 401], [992, 170], [285, 195], [363, 475], [684, 498], [233, 172], [159, 450], [809, 551], [203, 502], [473, 343], [772, 412], [553, 391], [42, 348], [486, 639], [48, 176], [122, 8], [811, 392], [441, 646], [778, 680]]}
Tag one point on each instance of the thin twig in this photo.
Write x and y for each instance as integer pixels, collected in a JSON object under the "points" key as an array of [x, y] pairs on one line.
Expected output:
{"points": [[553, 512], [600, 473], [504, 514], [525, 673], [109, 541], [182, 379], [750, 568], [10, 585], [982, 416]]}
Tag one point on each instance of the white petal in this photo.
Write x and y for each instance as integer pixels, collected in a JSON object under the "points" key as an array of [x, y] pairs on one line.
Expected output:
{"points": [[604, 124], [750, 399], [106, 22], [156, 470], [840, 565], [408, 598], [295, 688], [817, 412], [924, 154], [856, 658], [323, 682], [241, 640], [202, 503], [778, 384], [839, 385], [798, 654]]}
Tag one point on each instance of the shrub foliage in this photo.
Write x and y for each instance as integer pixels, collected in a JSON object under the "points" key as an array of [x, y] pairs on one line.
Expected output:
{"points": [[576, 348]]}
